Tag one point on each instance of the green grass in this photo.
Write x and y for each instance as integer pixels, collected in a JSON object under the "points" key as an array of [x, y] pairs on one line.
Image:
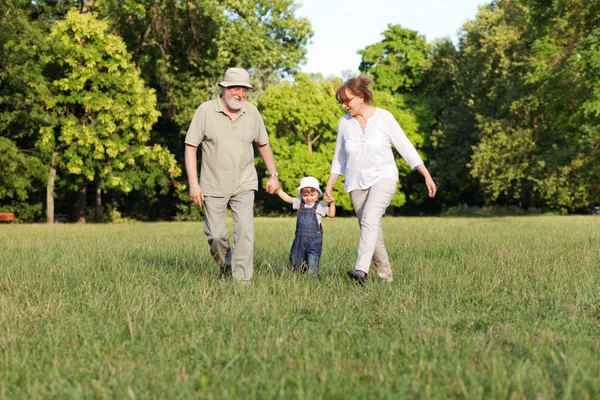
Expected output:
{"points": [[480, 308]]}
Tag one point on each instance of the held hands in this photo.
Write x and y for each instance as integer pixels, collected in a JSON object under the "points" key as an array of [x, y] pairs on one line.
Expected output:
{"points": [[196, 194], [272, 185], [328, 196]]}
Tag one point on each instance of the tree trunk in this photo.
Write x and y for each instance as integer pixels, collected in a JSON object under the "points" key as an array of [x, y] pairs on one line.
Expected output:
{"points": [[98, 202], [87, 6], [532, 202], [78, 213], [50, 190]]}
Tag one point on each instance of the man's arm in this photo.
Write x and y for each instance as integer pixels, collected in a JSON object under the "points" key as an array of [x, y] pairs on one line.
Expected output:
{"points": [[267, 155], [196, 193]]}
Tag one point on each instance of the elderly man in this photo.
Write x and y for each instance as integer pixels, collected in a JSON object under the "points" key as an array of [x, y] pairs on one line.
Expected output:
{"points": [[226, 129]]}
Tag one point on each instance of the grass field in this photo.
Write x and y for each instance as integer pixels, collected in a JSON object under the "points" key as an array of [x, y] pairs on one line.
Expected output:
{"points": [[480, 308]]}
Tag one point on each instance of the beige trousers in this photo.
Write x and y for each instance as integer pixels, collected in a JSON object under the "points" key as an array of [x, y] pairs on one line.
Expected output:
{"points": [[370, 205], [239, 261]]}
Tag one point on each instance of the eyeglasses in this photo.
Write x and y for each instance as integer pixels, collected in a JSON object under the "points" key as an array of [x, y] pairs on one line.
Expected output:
{"points": [[347, 101]]}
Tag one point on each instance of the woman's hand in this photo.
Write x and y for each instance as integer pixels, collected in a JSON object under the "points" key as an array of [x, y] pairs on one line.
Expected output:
{"points": [[430, 186]]}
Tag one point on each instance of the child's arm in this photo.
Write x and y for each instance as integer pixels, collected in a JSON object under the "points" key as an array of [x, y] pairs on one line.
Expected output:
{"points": [[284, 196], [331, 212]]}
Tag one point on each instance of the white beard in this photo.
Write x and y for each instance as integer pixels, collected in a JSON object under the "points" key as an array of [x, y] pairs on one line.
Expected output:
{"points": [[232, 105]]}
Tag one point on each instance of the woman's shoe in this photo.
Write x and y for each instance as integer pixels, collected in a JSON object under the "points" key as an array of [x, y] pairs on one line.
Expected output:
{"points": [[358, 276]]}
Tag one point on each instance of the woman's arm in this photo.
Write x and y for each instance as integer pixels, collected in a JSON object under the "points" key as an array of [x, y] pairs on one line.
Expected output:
{"points": [[428, 179], [398, 138], [329, 188]]}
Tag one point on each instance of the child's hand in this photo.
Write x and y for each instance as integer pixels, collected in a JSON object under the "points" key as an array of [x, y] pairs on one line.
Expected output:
{"points": [[328, 198]]}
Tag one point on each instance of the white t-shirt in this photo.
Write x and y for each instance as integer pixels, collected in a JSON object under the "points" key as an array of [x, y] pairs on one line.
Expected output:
{"points": [[322, 208], [367, 158]]}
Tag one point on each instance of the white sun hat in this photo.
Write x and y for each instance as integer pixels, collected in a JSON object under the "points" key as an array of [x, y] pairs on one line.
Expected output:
{"points": [[311, 182]]}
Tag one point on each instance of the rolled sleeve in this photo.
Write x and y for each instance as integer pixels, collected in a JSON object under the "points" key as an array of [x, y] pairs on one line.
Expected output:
{"points": [[296, 203], [261, 137], [195, 133]]}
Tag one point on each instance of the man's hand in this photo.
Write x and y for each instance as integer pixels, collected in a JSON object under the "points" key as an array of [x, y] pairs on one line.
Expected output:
{"points": [[272, 185], [196, 194]]}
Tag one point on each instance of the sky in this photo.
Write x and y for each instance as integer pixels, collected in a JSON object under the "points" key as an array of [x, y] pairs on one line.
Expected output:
{"points": [[342, 27]]}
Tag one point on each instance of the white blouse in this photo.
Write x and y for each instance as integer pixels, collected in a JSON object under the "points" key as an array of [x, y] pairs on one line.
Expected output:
{"points": [[367, 157]]}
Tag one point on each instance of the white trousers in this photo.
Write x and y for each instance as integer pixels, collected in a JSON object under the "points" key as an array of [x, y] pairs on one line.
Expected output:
{"points": [[239, 261], [370, 205]]}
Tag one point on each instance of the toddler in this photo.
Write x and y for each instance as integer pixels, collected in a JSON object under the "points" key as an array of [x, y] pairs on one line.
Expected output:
{"points": [[308, 243]]}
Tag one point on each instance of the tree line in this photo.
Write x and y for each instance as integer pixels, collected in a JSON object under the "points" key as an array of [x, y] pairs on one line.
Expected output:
{"points": [[95, 100]]}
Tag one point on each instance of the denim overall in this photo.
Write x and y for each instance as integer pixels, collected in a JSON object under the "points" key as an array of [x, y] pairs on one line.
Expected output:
{"points": [[308, 243]]}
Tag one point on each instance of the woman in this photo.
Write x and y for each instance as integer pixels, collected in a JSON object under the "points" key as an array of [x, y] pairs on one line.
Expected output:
{"points": [[363, 152]]}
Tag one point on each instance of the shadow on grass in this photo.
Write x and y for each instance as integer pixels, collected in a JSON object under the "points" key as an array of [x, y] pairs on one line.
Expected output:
{"points": [[494, 212], [203, 265]]}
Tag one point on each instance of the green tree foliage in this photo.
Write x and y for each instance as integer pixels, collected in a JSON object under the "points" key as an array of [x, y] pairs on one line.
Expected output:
{"points": [[101, 113], [452, 131], [301, 111], [513, 105], [21, 84], [183, 48], [21, 78], [492, 50], [530, 91], [397, 62], [565, 70], [21, 177]]}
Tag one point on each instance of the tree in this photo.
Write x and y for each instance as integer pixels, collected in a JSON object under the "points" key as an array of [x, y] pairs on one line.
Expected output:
{"points": [[397, 62], [452, 129], [21, 82], [532, 70], [20, 177], [183, 48], [100, 111]]}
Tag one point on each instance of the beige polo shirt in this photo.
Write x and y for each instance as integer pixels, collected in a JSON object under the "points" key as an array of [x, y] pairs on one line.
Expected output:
{"points": [[227, 151]]}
